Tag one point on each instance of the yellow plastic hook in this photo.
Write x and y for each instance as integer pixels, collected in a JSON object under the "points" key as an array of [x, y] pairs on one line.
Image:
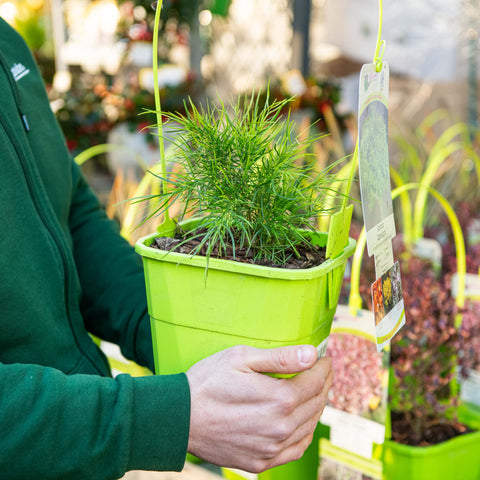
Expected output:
{"points": [[378, 61]]}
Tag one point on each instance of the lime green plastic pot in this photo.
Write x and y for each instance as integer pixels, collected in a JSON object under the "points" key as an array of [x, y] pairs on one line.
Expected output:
{"points": [[195, 313], [304, 469], [455, 458]]}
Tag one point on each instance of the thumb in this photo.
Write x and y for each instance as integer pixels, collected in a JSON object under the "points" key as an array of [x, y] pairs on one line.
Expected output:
{"points": [[292, 359]]}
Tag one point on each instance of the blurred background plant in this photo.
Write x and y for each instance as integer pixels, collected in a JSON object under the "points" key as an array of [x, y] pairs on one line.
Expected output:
{"points": [[423, 359], [95, 104], [440, 152], [28, 17]]}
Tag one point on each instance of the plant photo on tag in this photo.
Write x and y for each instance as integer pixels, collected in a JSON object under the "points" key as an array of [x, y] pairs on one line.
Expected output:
{"points": [[389, 309]]}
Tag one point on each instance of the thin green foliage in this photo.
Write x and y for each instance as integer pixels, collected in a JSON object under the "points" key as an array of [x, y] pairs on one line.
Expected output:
{"points": [[440, 152], [242, 170]]}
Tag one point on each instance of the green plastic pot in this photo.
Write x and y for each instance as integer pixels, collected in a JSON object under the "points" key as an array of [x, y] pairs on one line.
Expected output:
{"points": [[455, 458], [304, 469], [196, 312]]}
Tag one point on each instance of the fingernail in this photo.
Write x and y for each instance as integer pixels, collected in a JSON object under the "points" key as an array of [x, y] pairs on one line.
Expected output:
{"points": [[306, 355]]}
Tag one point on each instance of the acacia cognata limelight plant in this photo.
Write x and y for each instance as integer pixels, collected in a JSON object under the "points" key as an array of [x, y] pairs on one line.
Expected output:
{"points": [[247, 176]]}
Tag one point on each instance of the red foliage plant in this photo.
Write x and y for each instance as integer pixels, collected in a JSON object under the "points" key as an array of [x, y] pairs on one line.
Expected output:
{"points": [[427, 350], [357, 387], [423, 358]]}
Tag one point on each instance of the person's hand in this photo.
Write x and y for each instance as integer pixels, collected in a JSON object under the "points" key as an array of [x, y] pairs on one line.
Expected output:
{"points": [[243, 419]]}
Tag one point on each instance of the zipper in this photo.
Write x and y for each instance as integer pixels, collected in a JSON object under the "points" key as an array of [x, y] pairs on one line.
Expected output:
{"points": [[40, 207], [16, 92]]}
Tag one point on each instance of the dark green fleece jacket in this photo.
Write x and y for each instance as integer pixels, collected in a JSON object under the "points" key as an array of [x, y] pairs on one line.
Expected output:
{"points": [[65, 271]]}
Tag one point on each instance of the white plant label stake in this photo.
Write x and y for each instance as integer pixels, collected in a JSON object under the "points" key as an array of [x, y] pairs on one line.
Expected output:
{"points": [[377, 204], [357, 404]]}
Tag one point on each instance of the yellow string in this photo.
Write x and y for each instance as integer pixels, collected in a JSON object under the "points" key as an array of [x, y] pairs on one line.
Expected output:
{"points": [[380, 48], [158, 105], [378, 61]]}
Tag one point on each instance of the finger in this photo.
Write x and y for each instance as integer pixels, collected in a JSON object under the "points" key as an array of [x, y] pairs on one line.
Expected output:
{"points": [[305, 430], [312, 382], [286, 360], [292, 453], [307, 415]]}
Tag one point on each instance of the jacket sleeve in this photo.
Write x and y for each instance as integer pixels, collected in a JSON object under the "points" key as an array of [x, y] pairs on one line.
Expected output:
{"points": [[113, 302], [85, 426]]}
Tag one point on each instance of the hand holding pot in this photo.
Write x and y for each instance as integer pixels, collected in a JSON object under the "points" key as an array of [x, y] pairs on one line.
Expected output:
{"points": [[241, 418]]}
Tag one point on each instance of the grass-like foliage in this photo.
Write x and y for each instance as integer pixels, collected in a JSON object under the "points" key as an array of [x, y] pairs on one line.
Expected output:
{"points": [[242, 169]]}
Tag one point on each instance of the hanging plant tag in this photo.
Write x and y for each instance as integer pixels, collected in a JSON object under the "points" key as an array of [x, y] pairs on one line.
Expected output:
{"points": [[374, 167], [383, 259], [374, 170]]}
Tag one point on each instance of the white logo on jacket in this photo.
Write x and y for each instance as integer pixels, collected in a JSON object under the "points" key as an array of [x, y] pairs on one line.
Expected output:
{"points": [[19, 71]]}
